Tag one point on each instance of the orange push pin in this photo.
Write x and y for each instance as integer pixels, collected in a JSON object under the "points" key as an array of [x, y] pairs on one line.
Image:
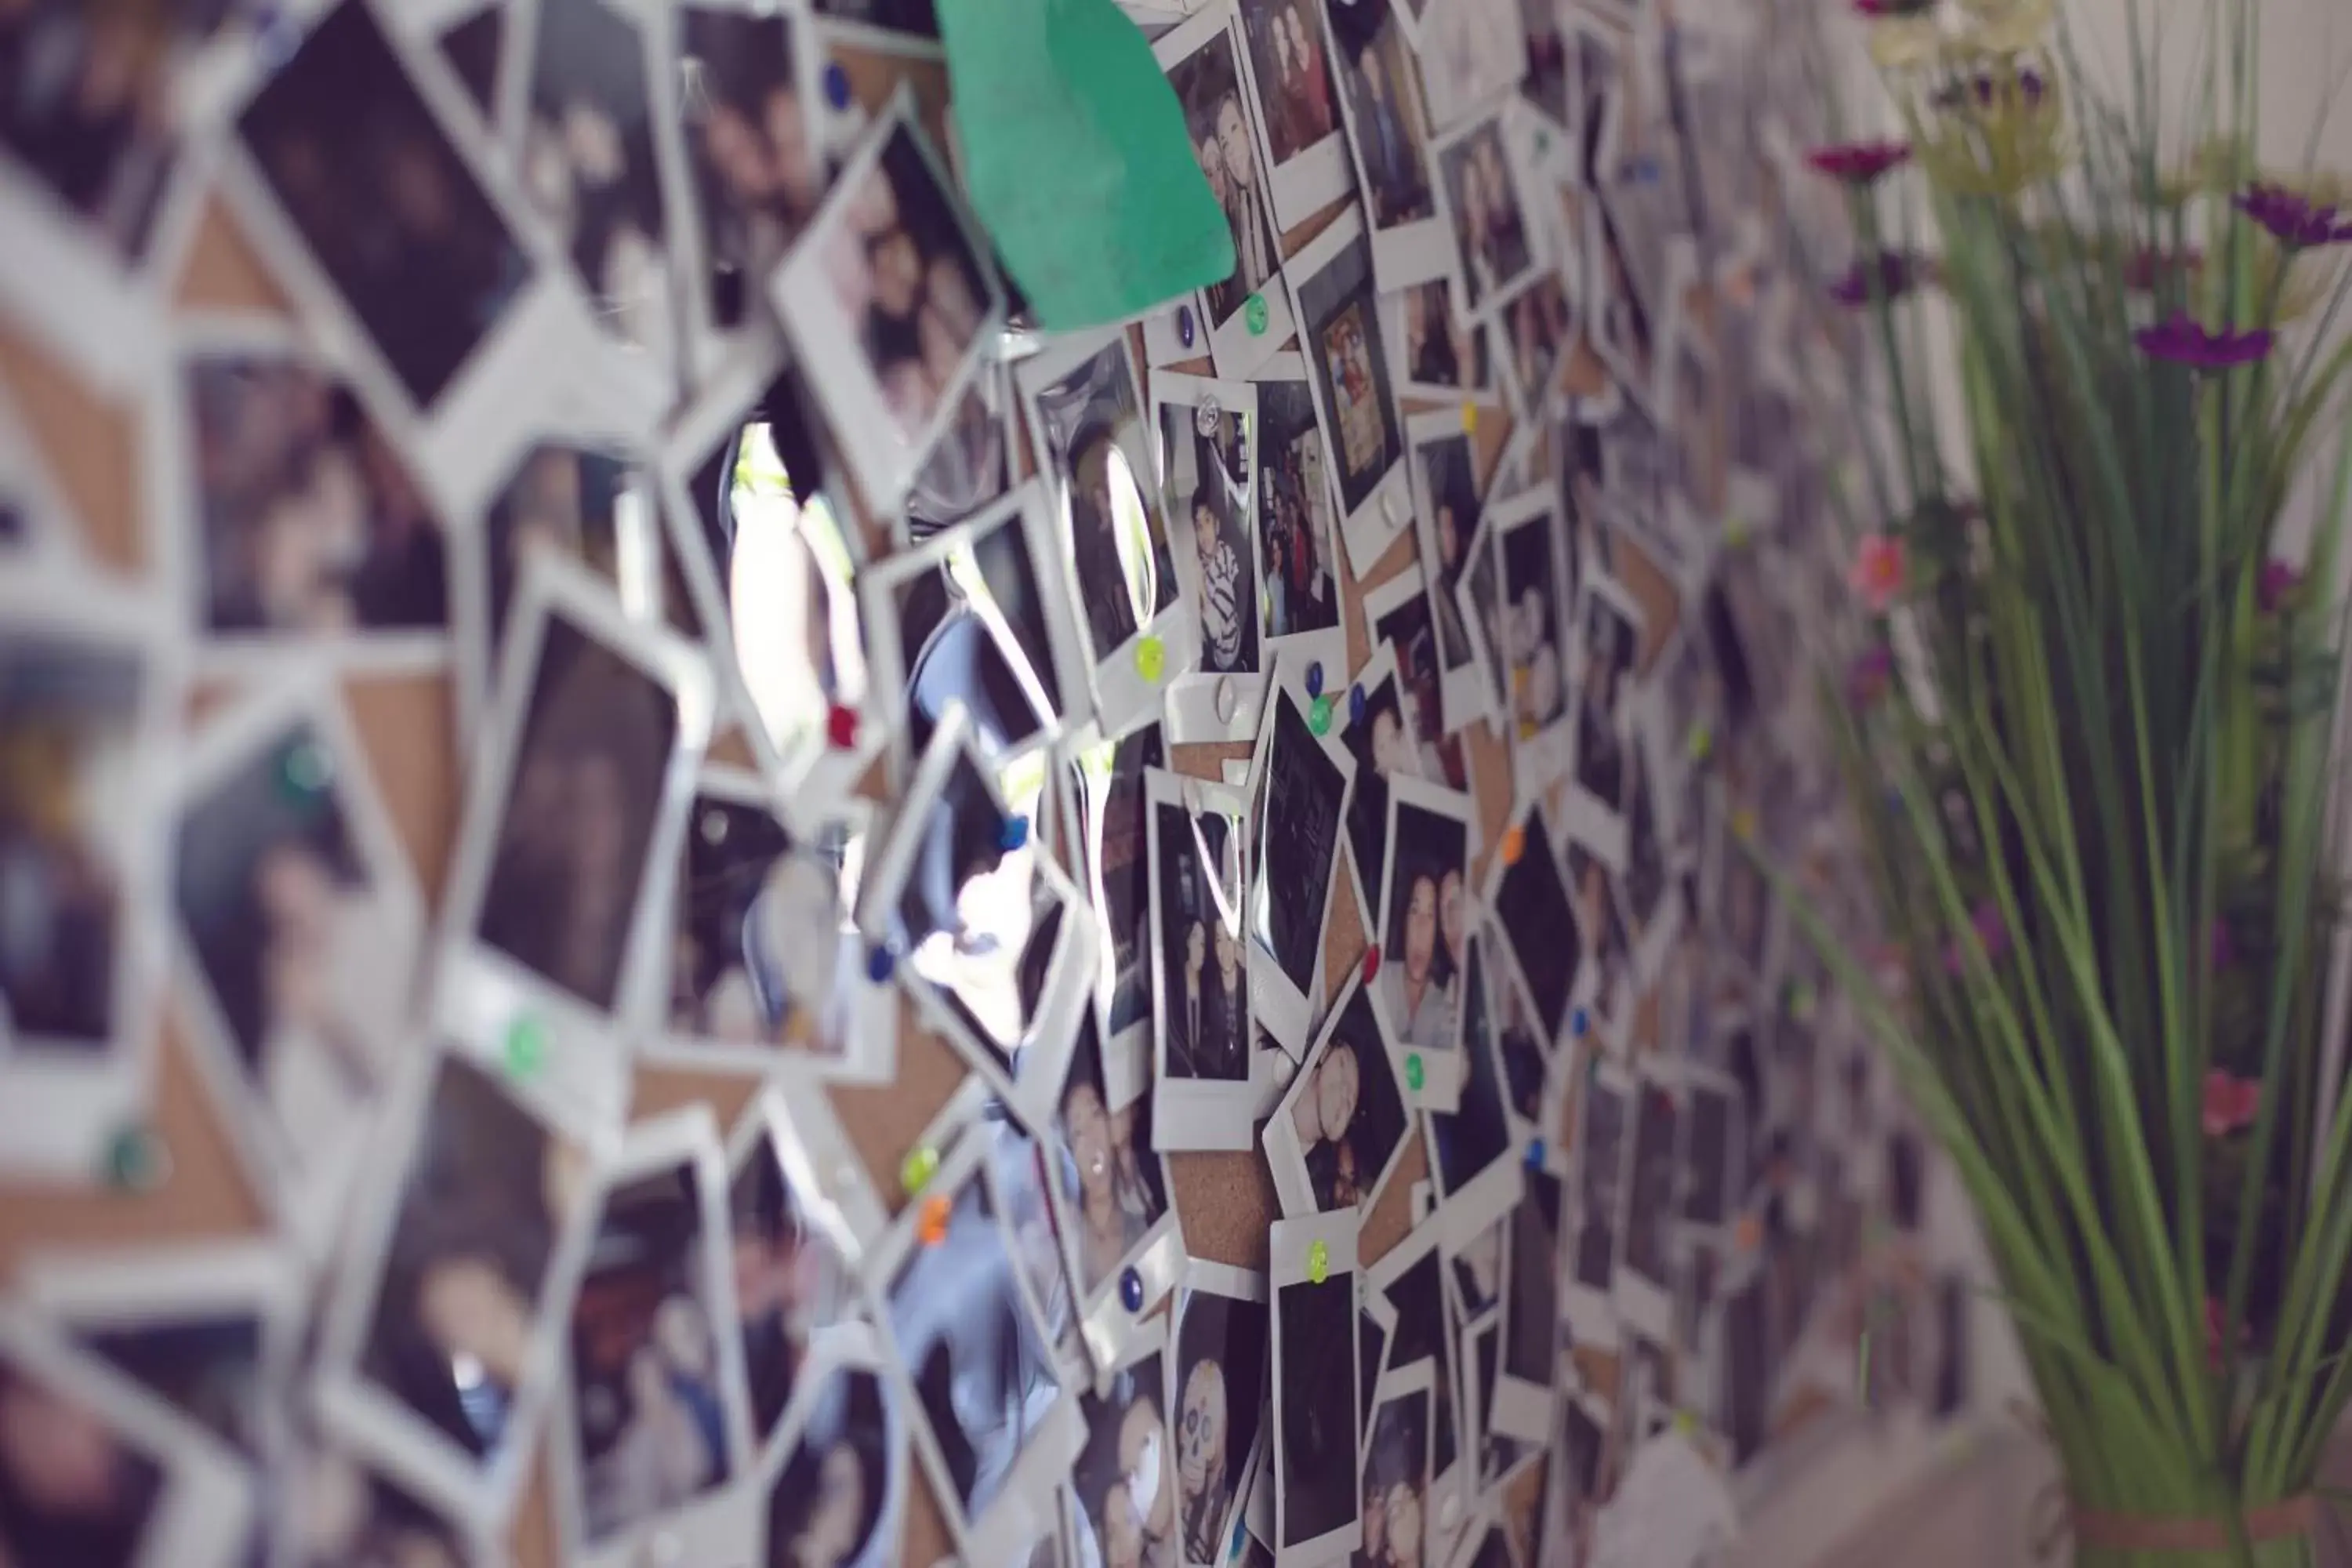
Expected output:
{"points": [[1515, 844], [1749, 1233], [932, 1228]]}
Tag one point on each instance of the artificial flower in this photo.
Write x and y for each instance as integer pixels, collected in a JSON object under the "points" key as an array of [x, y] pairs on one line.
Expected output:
{"points": [[2230, 1103], [1904, 40], [1891, 274], [2008, 26], [2182, 339], [2151, 267], [1878, 573], [1995, 123], [1883, 10], [2294, 219], [1858, 163], [1869, 674], [2277, 580]]}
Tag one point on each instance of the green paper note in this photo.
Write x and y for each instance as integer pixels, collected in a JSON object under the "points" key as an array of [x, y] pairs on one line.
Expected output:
{"points": [[1077, 160]]}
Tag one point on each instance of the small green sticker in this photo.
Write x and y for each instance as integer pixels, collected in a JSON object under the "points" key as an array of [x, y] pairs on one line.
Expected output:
{"points": [[1150, 657], [1412, 1072], [134, 1160], [1319, 715], [526, 1045], [921, 1165], [1254, 313], [1319, 1261]]}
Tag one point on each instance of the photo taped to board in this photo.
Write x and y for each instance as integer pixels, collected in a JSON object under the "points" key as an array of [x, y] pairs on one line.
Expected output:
{"points": [[1298, 531], [1208, 433], [1316, 1426], [1203, 1032], [300, 924], [1298, 811], [1341, 1130], [1223, 1350], [1347, 357], [1388, 135]]}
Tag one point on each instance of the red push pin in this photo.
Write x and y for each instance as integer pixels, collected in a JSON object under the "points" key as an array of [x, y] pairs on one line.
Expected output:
{"points": [[841, 726], [1371, 961]]}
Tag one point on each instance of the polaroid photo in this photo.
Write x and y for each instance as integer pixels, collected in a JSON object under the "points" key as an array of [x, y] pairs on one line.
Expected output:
{"points": [[1478, 592], [592, 127], [1445, 358], [1397, 614], [837, 1494], [997, 1422], [1448, 501], [89, 694], [1472, 55], [300, 926], [978, 925], [1023, 1168], [1713, 1151], [800, 1212], [892, 301], [1297, 531], [1608, 985], [1388, 137], [1604, 1143], [1247, 315], [973, 464], [1531, 1337], [1410, 1278], [446, 1331], [1426, 910], [1649, 880], [1479, 1340], [767, 971], [1298, 812], [1114, 819], [1376, 739], [1607, 655], [335, 1507], [457, 302], [1375, 1323], [909, 28], [1201, 992], [1497, 241], [39, 525], [1317, 1428], [1340, 339], [562, 893], [776, 584], [1473, 1154], [750, 160], [1644, 1275], [1087, 421], [1222, 1357], [1536, 324], [211, 1328], [299, 520], [1302, 141], [651, 1424], [1532, 1089], [1527, 637], [973, 617], [147, 1486], [1395, 1504], [1125, 1477], [471, 35], [1341, 1130], [1528, 898], [1111, 1190], [1208, 434]]}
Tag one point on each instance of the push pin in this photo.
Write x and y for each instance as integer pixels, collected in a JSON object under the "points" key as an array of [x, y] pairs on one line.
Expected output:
{"points": [[1748, 1234], [879, 964], [1515, 844], [1131, 1289], [1015, 835], [1579, 1022], [136, 1160], [1150, 657], [303, 769], [1699, 742], [1185, 330], [931, 1229], [1470, 419], [1371, 961], [841, 726], [1414, 1074], [1253, 314], [836, 86], [1686, 1423], [1356, 703], [1319, 716], [1536, 1153], [1735, 532], [1315, 679], [526, 1045], [915, 1172], [1319, 1261]]}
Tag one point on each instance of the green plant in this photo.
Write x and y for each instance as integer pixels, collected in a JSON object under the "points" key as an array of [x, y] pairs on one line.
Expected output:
{"points": [[2089, 730]]}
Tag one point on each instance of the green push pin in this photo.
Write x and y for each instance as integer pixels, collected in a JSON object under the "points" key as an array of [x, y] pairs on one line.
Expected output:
{"points": [[1151, 658], [1686, 1423], [1253, 314], [303, 769], [1318, 1262], [1699, 742], [1319, 715], [1412, 1072], [526, 1045], [1735, 532], [135, 1159], [915, 1172]]}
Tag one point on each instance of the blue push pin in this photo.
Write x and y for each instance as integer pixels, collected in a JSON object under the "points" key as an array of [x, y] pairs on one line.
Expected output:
{"points": [[1185, 330], [1131, 1289], [1015, 833], [1356, 703], [1578, 1023], [836, 86], [879, 964], [1535, 1153], [1241, 1530], [1315, 679]]}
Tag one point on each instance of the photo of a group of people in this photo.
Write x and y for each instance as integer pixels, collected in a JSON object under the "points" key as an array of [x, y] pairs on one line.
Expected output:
{"points": [[1122, 1188], [1208, 84], [1293, 90], [648, 1399], [1296, 535], [1489, 224], [1442, 356], [308, 521], [1379, 83], [1346, 1115], [1426, 924], [1537, 326], [790, 1281], [569, 860], [1527, 635], [483, 1200], [1222, 1352], [1208, 491], [1092, 437], [1126, 1485], [1204, 983], [751, 144], [826, 1508]]}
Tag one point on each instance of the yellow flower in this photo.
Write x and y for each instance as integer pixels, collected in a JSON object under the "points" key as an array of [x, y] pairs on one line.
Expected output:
{"points": [[2008, 28], [1989, 122], [1904, 43]]}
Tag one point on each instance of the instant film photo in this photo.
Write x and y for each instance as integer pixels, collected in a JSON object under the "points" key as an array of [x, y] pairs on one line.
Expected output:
{"points": [[1203, 1033], [1300, 778], [1318, 1511], [1209, 455]]}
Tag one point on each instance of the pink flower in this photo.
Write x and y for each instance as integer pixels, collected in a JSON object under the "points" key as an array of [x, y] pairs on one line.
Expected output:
{"points": [[1858, 163], [2278, 580], [1878, 572], [2230, 1102]]}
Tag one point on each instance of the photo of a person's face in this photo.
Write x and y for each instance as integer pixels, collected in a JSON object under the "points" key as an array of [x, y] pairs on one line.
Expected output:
{"points": [[790, 1281], [1126, 1475], [1121, 1195], [825, 1510], [757, 177], [1348, 1117], [762, 948], [1098, 446]]}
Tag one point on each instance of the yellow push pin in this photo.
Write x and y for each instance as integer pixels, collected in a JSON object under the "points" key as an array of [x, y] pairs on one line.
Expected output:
{"points": [[1469, 419], [1150, 657], [1699, 742], [1318, 1262]]}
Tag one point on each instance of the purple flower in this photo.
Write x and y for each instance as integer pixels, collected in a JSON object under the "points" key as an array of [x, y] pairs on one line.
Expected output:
{"points": [[2180, 339], [1891, 273], [2294, 219], [1858, 163], [2278, 580]]}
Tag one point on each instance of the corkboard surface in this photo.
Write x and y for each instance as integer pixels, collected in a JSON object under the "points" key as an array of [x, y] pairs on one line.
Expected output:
{"points": [[1225, 1201]]}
